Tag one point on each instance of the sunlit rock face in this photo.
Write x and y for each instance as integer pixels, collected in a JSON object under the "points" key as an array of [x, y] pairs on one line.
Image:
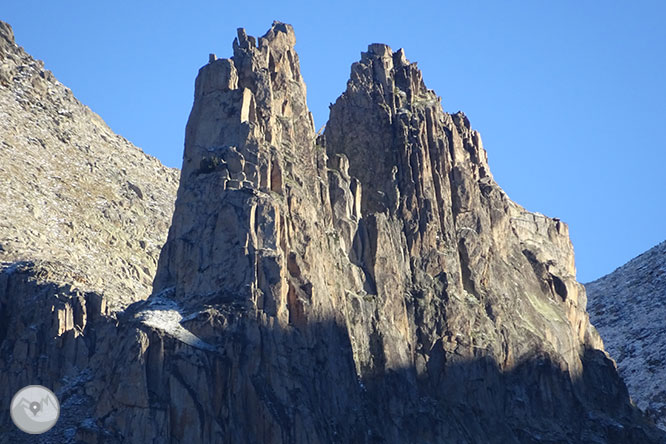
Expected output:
{"points": [[73, 193], [629, 308], [373, 284]]}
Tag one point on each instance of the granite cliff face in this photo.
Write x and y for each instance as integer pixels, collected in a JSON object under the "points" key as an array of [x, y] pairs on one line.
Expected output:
{"points": [[373, 284], [629, 308]]}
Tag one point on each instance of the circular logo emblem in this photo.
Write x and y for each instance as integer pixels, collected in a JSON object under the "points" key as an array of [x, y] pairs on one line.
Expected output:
{"points": [[34, 409]]}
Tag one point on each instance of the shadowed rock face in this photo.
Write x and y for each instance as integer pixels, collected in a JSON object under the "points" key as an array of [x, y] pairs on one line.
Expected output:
{"points": [[372, 285]]}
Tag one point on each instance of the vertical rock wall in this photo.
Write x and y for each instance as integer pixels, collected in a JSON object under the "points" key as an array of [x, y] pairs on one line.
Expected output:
{"points": [[375, 284]]}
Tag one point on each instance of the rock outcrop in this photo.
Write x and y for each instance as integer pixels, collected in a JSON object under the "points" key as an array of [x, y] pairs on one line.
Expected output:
{"points": [[628, 306], [373, 284]]}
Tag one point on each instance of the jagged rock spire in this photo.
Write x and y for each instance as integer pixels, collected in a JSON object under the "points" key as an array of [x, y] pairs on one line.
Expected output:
{"points": [[249, 131], [425, 172], [252, 102]]}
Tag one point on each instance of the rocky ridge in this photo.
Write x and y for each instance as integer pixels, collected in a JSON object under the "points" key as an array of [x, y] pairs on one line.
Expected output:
{"points": [[373, 284], [628, 306], [75, 196]]}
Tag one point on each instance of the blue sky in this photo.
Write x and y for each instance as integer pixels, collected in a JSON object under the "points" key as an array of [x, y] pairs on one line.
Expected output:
{"points": [[569, 96]]}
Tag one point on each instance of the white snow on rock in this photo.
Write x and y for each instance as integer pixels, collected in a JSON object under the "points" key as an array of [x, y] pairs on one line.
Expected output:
{"points": [[165, 315]]}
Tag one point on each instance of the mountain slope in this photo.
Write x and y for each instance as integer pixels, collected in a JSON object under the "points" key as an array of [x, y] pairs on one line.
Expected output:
{"points": [[628, 306], [370, 285], [83, 216], [72, 191]]}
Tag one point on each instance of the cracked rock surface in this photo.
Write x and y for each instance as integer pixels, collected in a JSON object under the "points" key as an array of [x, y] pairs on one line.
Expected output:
{"points": [[369, 285]]}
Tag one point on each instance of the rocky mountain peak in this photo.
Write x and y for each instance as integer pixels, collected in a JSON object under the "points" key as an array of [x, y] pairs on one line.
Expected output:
{"points": [[402, 112], [391, 70], [260, 88], [373, 285], [386, 243], [249, 132]]}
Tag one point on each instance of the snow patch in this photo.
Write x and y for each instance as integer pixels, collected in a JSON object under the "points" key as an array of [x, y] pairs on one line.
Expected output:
{"points": [[165, 315]]}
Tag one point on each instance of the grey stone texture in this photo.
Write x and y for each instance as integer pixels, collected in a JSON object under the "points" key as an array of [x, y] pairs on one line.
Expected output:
{"points": [[628, 306]]}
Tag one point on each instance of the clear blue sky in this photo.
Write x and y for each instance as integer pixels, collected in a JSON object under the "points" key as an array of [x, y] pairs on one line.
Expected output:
{"points": [[569, 96]]}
